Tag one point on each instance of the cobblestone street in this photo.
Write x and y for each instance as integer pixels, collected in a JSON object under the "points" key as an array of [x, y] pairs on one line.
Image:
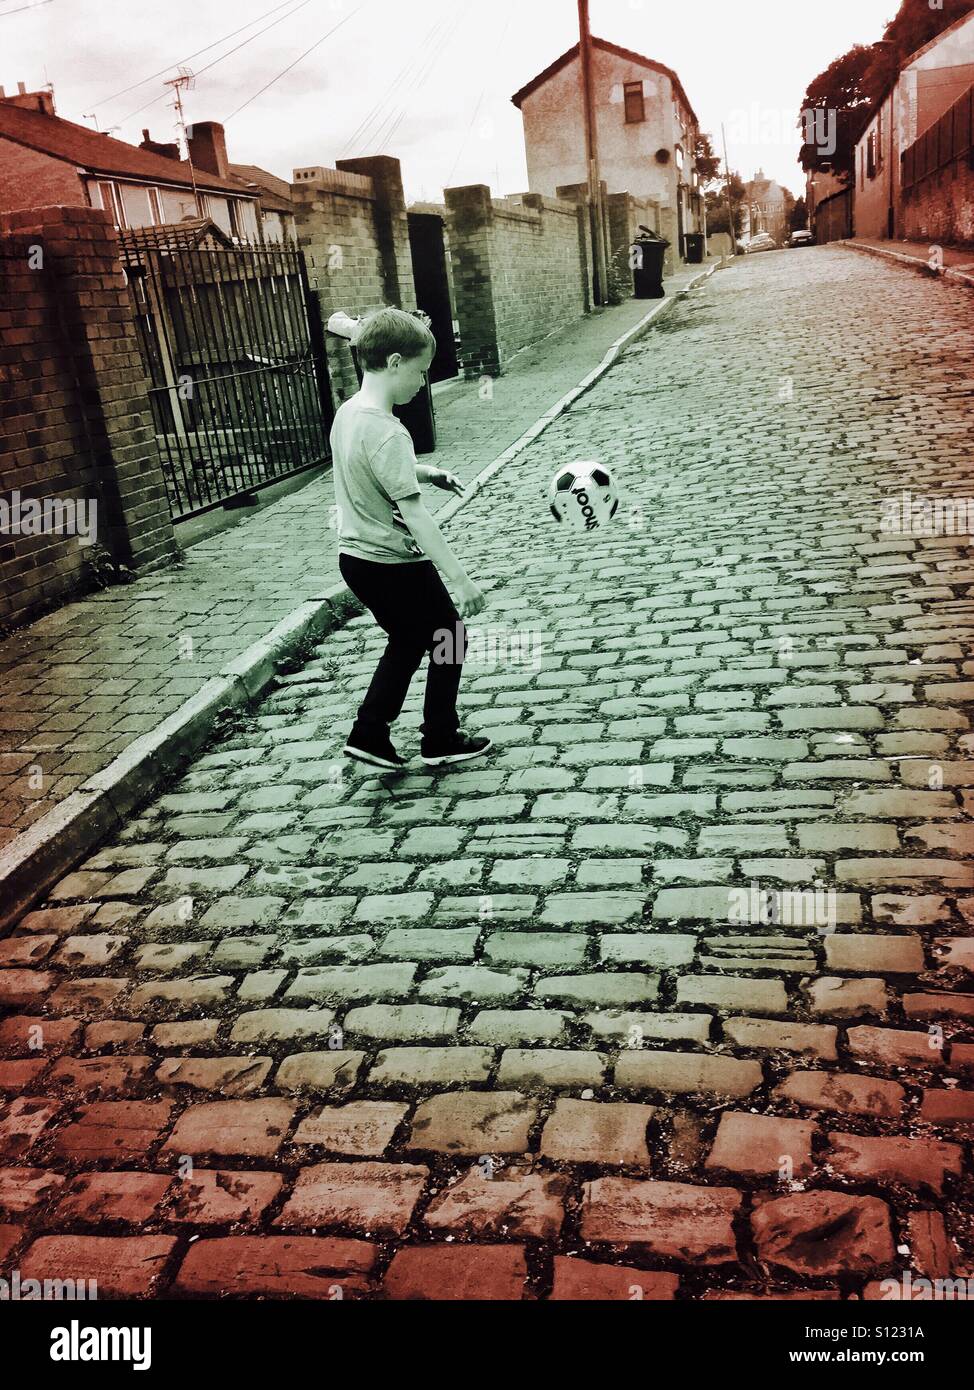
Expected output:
{"points": [[673, 996]]}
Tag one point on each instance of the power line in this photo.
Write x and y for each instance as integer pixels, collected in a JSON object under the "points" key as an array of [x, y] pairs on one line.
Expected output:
{"points": [[229, 53], [359, 133], [473, 118], [181, 61], [36, 5], [299, 59], [382, 134]]}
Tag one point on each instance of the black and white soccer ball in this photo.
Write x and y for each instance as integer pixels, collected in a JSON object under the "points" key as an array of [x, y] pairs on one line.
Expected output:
{"points": [[583, 495]]}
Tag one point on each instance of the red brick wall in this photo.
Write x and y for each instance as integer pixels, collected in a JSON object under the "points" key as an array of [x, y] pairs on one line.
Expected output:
{"points": [[75, 422], [520, 272], [941, 208], [32, 180], [354, 233]]}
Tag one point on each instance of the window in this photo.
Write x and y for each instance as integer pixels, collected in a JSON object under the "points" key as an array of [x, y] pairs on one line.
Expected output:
{"points": [[136, 205], [110, 202], [871, 155], [155, 205], [219, 210], [635, 103], [178, 204], [243, 215]]}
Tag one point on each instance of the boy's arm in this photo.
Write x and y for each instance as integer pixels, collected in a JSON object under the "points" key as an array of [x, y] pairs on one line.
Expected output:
{"points": [[423, 528], [426, 473]]}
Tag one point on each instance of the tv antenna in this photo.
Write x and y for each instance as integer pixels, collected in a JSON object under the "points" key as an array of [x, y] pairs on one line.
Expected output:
{"points": [[184, 79]]}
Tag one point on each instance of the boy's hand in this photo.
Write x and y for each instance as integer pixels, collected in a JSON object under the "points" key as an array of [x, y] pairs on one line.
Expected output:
{"points": [[449, 482], [470, 599]]}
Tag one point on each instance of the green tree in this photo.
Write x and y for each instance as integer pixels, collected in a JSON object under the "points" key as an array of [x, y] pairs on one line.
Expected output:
{"points": [[716, 203], [853, 84], [799, 216], [706, 162]]}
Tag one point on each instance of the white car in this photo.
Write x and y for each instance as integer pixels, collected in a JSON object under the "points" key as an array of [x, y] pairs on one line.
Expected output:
{"points": [[762, 242]]}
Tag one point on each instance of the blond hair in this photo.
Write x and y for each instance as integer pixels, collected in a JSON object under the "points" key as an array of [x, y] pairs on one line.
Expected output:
{"points": [[386, 331]]}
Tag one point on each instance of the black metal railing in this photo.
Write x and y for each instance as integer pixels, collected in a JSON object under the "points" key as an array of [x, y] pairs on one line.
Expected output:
{"points": [[233, 348]]}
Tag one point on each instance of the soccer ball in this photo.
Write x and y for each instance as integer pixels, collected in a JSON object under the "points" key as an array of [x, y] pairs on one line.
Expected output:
{"points": [[584, 496]]}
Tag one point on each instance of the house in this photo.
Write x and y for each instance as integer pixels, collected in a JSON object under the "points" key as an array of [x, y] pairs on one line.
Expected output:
{"points": [[645, 127], [45, 160], [765, 208], [933, 82], [276, 207]]}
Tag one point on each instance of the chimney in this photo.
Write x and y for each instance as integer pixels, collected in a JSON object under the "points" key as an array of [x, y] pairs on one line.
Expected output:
{"points": [[208, 147], [31, 101], [170, 151]]}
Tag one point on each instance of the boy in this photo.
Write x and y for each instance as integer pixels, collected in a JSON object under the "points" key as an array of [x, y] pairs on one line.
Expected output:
{"points": [[390, 549]]}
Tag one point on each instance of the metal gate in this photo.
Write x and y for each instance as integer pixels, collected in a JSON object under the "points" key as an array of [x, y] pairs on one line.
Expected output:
{"points": [[233, 347], [428, 253]]}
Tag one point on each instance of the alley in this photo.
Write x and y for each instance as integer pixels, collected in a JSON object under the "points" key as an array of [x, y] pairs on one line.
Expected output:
{"points": [[672, 997]]}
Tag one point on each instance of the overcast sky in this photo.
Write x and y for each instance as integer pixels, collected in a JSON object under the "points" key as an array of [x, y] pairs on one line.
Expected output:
{"points": [[429, 82]]}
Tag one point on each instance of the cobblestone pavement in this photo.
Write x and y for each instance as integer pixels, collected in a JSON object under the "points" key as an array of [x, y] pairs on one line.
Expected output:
{"points": [[79, 686], [673, 997]]}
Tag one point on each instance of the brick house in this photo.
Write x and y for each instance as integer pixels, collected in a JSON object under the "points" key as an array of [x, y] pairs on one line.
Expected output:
{"points": [[765, 208], [276, 207], [930, 83], [47, 161], [646, 130]]}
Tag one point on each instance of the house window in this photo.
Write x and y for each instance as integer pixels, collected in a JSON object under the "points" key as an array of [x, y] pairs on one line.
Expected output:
{"points": [[155, 205], [136, 205], [635, 103], [111, 203], [219, 210], [871, 155], [243, 220]]}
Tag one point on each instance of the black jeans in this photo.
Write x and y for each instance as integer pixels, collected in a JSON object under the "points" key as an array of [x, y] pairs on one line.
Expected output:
{"points": [[411, 604]]}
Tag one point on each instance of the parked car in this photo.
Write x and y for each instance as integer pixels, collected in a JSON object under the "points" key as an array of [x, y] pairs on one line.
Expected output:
{"points": [[802, 238], [764, 241]]}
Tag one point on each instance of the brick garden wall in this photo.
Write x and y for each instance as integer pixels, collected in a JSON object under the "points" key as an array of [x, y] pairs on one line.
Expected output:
{"points": [[519, 272], [353, 230], [76, 423], [941, 208]]}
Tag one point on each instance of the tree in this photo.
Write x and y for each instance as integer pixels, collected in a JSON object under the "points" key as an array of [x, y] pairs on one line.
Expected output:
{"points": [[853, 84], [842, 89], [705, 161], [716, 202], [799, 216]]}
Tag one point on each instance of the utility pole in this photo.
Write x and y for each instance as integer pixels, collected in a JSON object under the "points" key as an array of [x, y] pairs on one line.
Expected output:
{"points": [[599, 249], [730, 205]]}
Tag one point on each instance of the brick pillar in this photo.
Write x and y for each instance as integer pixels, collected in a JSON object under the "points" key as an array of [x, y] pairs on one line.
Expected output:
{"points": [[93, 351], [391, 225], [469, 214], [577, 193]]}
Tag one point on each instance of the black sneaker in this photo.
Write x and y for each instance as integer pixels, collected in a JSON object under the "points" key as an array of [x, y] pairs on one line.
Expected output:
{"points": [[461, 748], [374, 750]]}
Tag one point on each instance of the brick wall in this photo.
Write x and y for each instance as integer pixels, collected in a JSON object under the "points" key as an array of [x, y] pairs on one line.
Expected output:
{"points": [[76, 423], [29, 179], [353, 229], [940, 208], [519, 271]]}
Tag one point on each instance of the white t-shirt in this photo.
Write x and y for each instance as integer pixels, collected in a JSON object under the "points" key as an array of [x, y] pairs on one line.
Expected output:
{"points": [[375, 468]]}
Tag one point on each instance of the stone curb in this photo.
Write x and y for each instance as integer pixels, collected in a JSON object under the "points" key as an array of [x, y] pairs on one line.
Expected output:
{"points": [[55, 843], [911, 263]]}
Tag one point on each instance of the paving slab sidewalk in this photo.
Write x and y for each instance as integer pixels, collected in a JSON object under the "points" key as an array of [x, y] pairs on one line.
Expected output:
{"points": [[956, 262], [104, 698]]}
